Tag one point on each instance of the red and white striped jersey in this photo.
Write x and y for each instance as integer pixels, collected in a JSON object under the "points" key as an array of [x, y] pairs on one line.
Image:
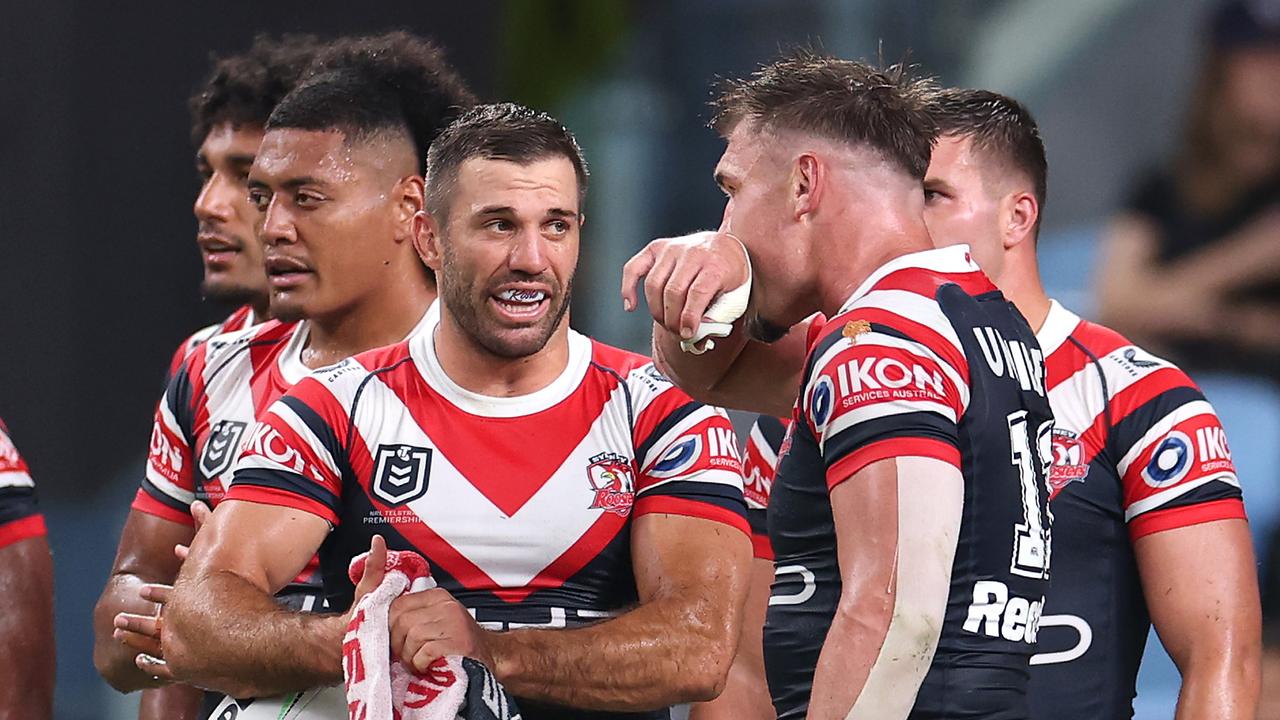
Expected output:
{"points": [[19, 517], [759, 467], [1137, 450], [242, 319], [522, 505]]}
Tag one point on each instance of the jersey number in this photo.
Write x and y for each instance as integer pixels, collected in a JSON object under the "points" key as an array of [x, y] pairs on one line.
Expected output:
{"points": [[1031, 537]]}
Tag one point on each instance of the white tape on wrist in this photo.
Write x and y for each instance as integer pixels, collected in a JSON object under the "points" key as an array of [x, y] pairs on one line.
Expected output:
{"points": [[724, 311]]}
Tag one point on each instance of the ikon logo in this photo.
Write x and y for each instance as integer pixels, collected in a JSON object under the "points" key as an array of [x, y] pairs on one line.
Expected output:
{"points": [[401, 473]]}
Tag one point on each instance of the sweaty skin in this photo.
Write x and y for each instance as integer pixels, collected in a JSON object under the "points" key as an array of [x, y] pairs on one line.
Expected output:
{"points": [[26, 655]]}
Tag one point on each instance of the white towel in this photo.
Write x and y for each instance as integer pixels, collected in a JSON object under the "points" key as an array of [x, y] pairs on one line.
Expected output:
{"points": [[380, 687]]}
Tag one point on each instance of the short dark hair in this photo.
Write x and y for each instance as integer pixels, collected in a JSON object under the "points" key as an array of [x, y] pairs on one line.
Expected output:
{"points": [[998, 125], [501, 131], [363, 86], [846, 100], [243, 89]]}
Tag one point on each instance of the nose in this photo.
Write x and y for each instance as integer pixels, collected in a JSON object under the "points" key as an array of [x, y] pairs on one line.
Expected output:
{"points": [[216, 201], [527, 253], [276, 225]]}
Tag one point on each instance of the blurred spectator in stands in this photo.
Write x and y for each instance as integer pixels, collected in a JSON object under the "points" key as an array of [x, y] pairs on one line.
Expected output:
{"points": [[1192, 264]]}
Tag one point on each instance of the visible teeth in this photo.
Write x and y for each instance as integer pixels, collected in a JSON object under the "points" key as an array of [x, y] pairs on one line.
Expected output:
{"points": [[522, 296]]}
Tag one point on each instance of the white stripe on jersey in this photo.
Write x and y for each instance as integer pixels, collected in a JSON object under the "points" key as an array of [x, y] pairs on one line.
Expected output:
{"points": [[914, 307], [1084, 384], [15, 478], [881, 409], [762, 447], [1164, 496], [164, 485], [290, 418], [1160, 428]]}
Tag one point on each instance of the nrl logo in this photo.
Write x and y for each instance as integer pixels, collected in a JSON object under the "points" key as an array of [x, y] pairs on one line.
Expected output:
{"points": [[221, 449], [401, 473], [610, 476]]}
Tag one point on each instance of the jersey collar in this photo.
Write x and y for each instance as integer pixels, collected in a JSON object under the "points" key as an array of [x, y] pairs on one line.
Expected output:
{"points": [[290, 362], [950, 259], [1058, 326], [423, 351]]}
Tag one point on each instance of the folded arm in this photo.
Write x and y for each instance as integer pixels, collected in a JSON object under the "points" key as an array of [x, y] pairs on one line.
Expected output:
{"points": [[222, 628], [675, 646]]}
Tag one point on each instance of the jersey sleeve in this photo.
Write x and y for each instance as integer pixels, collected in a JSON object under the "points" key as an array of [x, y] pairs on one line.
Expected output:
{"points": [[19, 517], [168, 486], [686, 454], [759, 467], [1168, 446], [872, 392], [296, 455]]}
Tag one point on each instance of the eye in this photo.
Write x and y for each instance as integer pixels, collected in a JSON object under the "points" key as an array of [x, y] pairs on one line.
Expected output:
{"points": [[259, 198], [500, 225], [558, 227], [307, 200], [932, 195]]}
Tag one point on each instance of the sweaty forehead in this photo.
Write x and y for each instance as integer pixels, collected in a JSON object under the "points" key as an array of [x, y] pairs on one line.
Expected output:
{"points": [[327, 156], [537, 186]]}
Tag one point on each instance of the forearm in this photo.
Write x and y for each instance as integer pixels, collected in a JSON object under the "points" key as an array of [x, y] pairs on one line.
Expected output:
{"points": [[224, 633], [174, 702], [1221, 689], [698, 375], [848, 654], [657, 655], [113, 659], [27, 653]]}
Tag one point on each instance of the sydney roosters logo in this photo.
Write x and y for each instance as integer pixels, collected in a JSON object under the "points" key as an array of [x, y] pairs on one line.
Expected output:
{"points": [[610, 476], [1068, 461]]}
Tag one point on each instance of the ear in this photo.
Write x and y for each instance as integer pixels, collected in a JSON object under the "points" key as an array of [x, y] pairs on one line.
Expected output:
{"points": [[808, 180], [410, 201], [1021, 211], [427, 240]]}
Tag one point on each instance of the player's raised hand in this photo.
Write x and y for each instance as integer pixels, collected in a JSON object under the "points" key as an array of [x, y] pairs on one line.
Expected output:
{"points": [[200, 513], [683, 276], [375, 568]]}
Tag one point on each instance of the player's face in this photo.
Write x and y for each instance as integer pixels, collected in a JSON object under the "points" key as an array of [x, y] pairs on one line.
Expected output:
{"points": [[959, 207], [509, 250], [328, 218], [233, 270], [756, 180]]}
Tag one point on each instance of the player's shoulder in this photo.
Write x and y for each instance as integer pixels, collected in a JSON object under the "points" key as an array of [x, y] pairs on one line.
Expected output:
{"points": [[1123, 362], [637, 371], [10, 458], [344, 379], [240, 320]]}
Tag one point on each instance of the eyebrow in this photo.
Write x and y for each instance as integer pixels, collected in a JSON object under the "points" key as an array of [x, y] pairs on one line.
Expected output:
{"points": [[508, 210]]}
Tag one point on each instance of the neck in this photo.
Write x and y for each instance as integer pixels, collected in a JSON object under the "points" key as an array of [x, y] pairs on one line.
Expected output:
{"points": [[1020, 282], [858, 249], [261, 307], [474, 368], [384, 318]]}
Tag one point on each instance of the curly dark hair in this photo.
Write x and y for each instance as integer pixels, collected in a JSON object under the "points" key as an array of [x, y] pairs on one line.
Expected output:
{"points": [[886, 109], [365, 85], [502, 131], [244, 88]]}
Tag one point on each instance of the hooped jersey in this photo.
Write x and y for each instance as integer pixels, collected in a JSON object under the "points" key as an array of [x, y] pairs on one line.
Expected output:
{"points": [[1137, 450], [19, 517], [759, 468], [523, 506], [926, 359], [241, 319]]}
